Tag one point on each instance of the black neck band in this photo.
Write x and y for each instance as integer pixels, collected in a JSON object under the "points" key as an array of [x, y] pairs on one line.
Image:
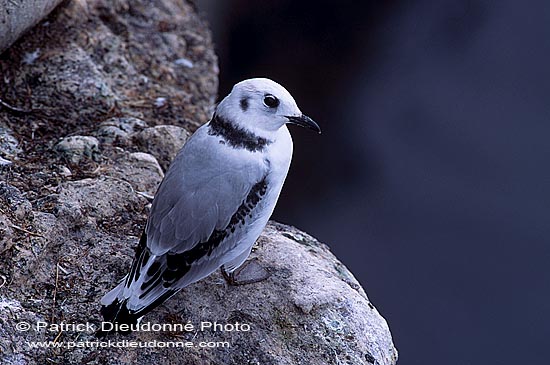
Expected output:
{"points": [[235, 136]]}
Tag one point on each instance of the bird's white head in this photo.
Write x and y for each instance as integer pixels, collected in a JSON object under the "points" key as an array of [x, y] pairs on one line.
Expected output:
{"points": [[262, 106]]}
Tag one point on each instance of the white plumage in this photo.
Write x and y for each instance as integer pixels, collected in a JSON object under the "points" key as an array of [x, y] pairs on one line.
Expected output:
{"points": [[215, 199]]}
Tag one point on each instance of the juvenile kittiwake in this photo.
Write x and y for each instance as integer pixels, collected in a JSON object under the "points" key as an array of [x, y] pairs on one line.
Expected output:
{"points": [[215, 199]]}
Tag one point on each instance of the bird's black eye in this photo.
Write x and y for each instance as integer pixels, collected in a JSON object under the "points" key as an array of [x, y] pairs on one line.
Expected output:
{"points": [[271, 101]]}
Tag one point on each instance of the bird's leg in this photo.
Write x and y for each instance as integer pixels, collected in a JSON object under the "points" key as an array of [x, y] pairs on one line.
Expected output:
{"points": [[228, 276], [249, 272]]}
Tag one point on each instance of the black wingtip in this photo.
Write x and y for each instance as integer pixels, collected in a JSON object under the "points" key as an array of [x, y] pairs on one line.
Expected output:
{"points": [[114, 315]]}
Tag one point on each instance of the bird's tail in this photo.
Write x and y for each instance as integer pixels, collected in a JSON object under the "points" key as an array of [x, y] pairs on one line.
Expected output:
{"points": [[115, 313], [115, 310]]}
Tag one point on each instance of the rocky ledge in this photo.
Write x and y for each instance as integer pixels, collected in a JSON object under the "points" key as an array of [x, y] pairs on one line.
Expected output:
{"points": [[96, 100]]}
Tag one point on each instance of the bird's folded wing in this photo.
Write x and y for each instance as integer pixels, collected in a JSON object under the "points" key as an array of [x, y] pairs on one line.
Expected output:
{"points": [[203, 188]]}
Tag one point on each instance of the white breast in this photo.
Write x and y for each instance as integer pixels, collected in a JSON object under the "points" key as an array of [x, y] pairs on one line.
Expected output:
{"points": [[277, 156]]}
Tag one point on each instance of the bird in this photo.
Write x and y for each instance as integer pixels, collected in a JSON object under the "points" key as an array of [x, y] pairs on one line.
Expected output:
{"points": [[214, 201]]}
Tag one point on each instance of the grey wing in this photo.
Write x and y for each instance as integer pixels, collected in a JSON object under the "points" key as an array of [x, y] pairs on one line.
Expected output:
{"points": [[202, 189], [198, 197]]}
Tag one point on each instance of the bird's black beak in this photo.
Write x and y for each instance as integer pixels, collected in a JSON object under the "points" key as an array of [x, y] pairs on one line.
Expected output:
{"points": [[304, 121]]}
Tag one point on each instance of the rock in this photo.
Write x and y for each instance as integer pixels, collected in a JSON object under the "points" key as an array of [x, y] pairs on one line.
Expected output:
{"points": [[78, 75], [6, 236], [13, 310], [103, 200], [44, 223], [18, 17], [9, 145], [163, 142], [13, 202], [140, 169], [118, 131], [64, 171], [76, 149], [115, 70], [311, 310], [112, 60]]}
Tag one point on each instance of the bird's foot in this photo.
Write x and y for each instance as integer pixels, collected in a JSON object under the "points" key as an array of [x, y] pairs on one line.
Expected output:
{"points": [[249, 272]]}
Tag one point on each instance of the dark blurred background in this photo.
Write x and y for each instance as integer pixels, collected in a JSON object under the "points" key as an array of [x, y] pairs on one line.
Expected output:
{"points": [[431, 179]]}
